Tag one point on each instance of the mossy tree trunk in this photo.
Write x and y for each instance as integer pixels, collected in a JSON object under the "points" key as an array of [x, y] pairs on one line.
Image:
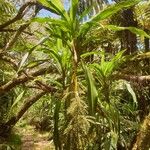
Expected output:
{"points": [[143, 137]]}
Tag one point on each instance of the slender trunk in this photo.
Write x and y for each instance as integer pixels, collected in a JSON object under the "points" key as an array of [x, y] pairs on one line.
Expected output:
{"points": [[74, 92], [129, 40], [74, 75], [142, 105], [147, 46], [146, 43]]}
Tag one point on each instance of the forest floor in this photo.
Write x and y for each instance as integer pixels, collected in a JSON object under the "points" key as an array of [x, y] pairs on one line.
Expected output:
{"points": [[33, 140]]}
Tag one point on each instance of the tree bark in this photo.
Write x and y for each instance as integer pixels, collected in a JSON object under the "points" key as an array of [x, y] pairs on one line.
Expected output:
{"points": [[142, 140], [129, 40], [146, 43], [22, 79], [134, 78]]}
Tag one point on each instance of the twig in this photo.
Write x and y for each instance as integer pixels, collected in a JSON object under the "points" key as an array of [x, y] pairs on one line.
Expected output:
{"points": [[13, 30], [23, 78]]}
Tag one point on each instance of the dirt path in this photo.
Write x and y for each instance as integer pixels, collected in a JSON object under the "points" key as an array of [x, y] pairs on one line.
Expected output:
{"points": [[32, 140]]}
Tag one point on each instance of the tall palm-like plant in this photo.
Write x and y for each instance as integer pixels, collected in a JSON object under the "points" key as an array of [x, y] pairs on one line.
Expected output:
{"points": [[73, 35]]}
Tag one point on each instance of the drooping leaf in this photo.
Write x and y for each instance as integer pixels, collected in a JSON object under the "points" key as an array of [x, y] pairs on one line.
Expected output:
{"points": [[24, 58], [47, 4], [114, 9], [57, 7], [89, 54], [18, 99], [106, 13], [130, 90], [132, 29], [86, 12]]}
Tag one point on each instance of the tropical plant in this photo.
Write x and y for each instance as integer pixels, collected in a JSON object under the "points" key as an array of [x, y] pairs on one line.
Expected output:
{"points": [[88, 89], [73, 35]]}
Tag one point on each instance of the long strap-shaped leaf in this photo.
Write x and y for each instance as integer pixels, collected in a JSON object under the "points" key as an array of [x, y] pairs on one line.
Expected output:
{"points": [[114, 9], [57, 7], [92, 91], [106, 13], [132, 29], [73, 9]]}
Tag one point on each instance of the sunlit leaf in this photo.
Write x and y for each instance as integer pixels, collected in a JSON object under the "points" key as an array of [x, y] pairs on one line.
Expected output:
{"points": [[18, 99], [130, 90], [92, 91]]}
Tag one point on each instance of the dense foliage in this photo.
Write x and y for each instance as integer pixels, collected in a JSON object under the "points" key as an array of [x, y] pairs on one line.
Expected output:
{"points": [[84, 74]]}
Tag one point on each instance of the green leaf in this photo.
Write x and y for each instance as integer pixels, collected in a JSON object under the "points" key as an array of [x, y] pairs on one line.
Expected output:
{"points": [[138, 31], [41, 41], [114, 9], [132, 29], [89, 54], [24, 58], [92, 91], [73, 9], [48, 4], [41, 20], [57, 7], [18, 99], [63, 25], [86, 12], [105, 14], [130, 90]]}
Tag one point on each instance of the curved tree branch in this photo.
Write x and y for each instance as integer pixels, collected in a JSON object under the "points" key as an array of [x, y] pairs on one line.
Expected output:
{"points": [[15, 30], [22, 11], [134, 78], [23, 78], [19, 15], [6, 127], [8, 59]]}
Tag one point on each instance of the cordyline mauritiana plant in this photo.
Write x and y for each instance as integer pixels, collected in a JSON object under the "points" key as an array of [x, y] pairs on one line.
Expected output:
{"points": [[80, 105], [89, 116]]}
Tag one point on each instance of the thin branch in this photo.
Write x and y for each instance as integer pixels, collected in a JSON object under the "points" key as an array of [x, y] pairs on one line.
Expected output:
{"points": [[45, 87], [22, 11], [20, 30], [13, 30], [19, 15], [23, 78], [6, 58], [134, 78], [14, 39]]}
